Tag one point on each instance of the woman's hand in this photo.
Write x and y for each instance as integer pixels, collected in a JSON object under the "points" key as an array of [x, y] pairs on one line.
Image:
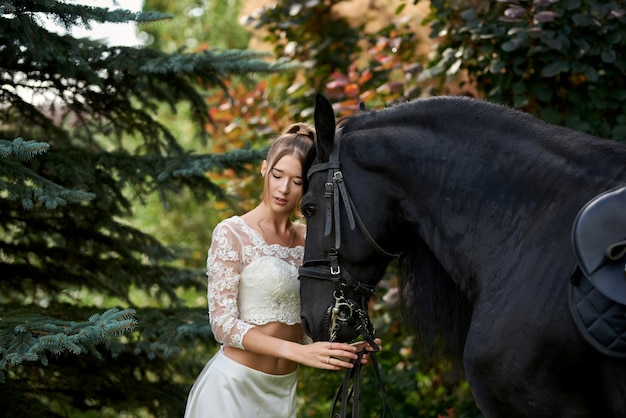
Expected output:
{"points": [[334, 355], [364, 345], [328, 355]]}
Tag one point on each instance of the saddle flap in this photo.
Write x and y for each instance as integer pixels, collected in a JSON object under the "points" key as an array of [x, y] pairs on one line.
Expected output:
{"points": [[600, 229], [601, 321]]}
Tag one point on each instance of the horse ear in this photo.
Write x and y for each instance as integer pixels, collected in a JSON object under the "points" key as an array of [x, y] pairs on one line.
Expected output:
{"points": [[324, 126]]}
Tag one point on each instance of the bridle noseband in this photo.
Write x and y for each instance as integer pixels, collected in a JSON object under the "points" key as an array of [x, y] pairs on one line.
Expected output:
{"points": [[344, 310]]}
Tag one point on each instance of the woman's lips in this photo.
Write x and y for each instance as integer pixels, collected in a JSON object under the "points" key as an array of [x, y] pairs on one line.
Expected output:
{"points": [[280, 201]]}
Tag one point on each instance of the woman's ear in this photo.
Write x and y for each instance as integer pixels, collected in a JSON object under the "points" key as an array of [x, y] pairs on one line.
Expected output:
{"points": [[264, 168]]}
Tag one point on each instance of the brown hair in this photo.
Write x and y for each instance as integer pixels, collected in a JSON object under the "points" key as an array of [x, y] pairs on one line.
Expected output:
{"points": [[296, 140]]}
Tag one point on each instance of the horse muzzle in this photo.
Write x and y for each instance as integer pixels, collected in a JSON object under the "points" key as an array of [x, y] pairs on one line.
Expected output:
{"points": [[345, 319]]}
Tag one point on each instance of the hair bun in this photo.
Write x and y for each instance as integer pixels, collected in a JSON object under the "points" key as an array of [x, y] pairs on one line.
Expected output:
{"points": [[302, 129], [305, 132]]}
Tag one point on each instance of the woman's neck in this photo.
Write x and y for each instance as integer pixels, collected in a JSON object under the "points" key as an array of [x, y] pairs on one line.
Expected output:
{"points": [[278, 222], [275, 228]]}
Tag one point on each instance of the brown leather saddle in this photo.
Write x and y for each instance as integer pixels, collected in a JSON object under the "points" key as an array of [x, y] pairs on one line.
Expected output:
{"points": [[598, 287]]}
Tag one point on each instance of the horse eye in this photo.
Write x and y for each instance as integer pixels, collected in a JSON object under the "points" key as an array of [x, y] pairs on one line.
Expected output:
{"points": [[308, 211]]}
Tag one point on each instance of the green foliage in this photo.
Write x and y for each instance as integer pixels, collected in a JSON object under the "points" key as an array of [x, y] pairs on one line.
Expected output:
{"points": [[198, 25], [341, 57], [22, 150], [242, 121], [33, 336], [93, 315], [560, 60], [310, 32], [20, 182]]}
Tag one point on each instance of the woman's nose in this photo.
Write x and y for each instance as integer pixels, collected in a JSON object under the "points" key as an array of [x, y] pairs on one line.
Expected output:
{"points": [[284, 187]]}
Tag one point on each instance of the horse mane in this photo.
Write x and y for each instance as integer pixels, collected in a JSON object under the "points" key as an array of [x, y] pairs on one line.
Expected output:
{"points": [[435, 305], [437, 309], [432, 107]]}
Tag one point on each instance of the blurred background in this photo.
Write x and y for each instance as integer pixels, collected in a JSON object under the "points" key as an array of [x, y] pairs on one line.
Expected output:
{"points": [[129, 129]]}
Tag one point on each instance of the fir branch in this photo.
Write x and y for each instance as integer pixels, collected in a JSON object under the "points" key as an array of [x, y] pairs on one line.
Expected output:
{"points": [[215, 65], [193, 166], [23, 183], [29, 338], [165, 333], [21, 149], [69, 15]]}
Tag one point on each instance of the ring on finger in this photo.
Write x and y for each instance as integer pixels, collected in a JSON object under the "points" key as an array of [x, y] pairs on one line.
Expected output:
{"points": [[328, 361]]}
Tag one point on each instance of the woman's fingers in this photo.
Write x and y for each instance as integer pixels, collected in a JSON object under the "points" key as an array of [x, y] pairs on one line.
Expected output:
{"points": [[364, 345], [378, 342], [340, 355], [336, 356]]}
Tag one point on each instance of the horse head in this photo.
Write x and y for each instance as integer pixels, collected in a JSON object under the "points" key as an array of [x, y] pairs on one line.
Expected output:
{"points": [[343, 259]]}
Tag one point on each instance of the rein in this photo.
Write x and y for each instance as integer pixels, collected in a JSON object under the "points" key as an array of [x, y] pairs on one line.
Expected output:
{"points": [[345, 310]]}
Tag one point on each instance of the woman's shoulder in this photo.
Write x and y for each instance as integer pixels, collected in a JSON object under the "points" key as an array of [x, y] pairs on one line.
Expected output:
{"points": [[234, 221], [237, 226], [234, 224]]}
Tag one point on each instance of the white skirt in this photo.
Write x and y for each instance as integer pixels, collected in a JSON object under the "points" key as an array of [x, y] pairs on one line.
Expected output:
{"points": [[228, 389]]}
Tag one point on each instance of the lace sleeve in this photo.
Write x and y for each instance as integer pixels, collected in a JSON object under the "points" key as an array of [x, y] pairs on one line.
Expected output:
{"points": [[223, 272]]}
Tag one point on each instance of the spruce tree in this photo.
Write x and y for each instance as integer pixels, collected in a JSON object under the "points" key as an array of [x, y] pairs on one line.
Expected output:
{"points": [[91, 318]]}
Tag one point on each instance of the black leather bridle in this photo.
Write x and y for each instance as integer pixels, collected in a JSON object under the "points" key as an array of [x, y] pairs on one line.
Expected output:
{"points": [[344, 310]]}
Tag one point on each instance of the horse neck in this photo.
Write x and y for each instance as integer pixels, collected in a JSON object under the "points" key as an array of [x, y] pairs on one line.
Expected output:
{"points": [[472, 192]]}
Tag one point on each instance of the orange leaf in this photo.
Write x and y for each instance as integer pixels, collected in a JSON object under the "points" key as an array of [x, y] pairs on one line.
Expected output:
{"points": [[367, 95], [365, 77], [351, 89]]}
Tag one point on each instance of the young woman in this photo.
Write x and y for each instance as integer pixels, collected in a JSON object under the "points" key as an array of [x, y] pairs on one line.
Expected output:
{"points": [[254, 299]]}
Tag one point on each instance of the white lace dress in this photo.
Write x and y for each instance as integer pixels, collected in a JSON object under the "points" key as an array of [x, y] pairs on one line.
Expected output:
{"points": [[250, 283]]}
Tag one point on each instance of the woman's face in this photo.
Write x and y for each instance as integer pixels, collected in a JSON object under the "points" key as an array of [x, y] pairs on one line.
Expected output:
{"points": [[284, 185]]}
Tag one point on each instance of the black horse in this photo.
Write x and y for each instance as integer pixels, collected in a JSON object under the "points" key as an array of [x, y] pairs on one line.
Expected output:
{"points": [[478, 202]]}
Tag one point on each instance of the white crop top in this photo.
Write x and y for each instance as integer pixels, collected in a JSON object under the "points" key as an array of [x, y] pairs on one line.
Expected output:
{"points": [[250, 282]]}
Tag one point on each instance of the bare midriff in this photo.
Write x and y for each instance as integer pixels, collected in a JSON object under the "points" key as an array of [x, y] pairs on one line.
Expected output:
{"points": [[264, 363]]}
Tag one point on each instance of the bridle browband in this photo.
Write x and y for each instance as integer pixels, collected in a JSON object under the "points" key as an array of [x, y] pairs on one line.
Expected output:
{"points": [[344, 310]]}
